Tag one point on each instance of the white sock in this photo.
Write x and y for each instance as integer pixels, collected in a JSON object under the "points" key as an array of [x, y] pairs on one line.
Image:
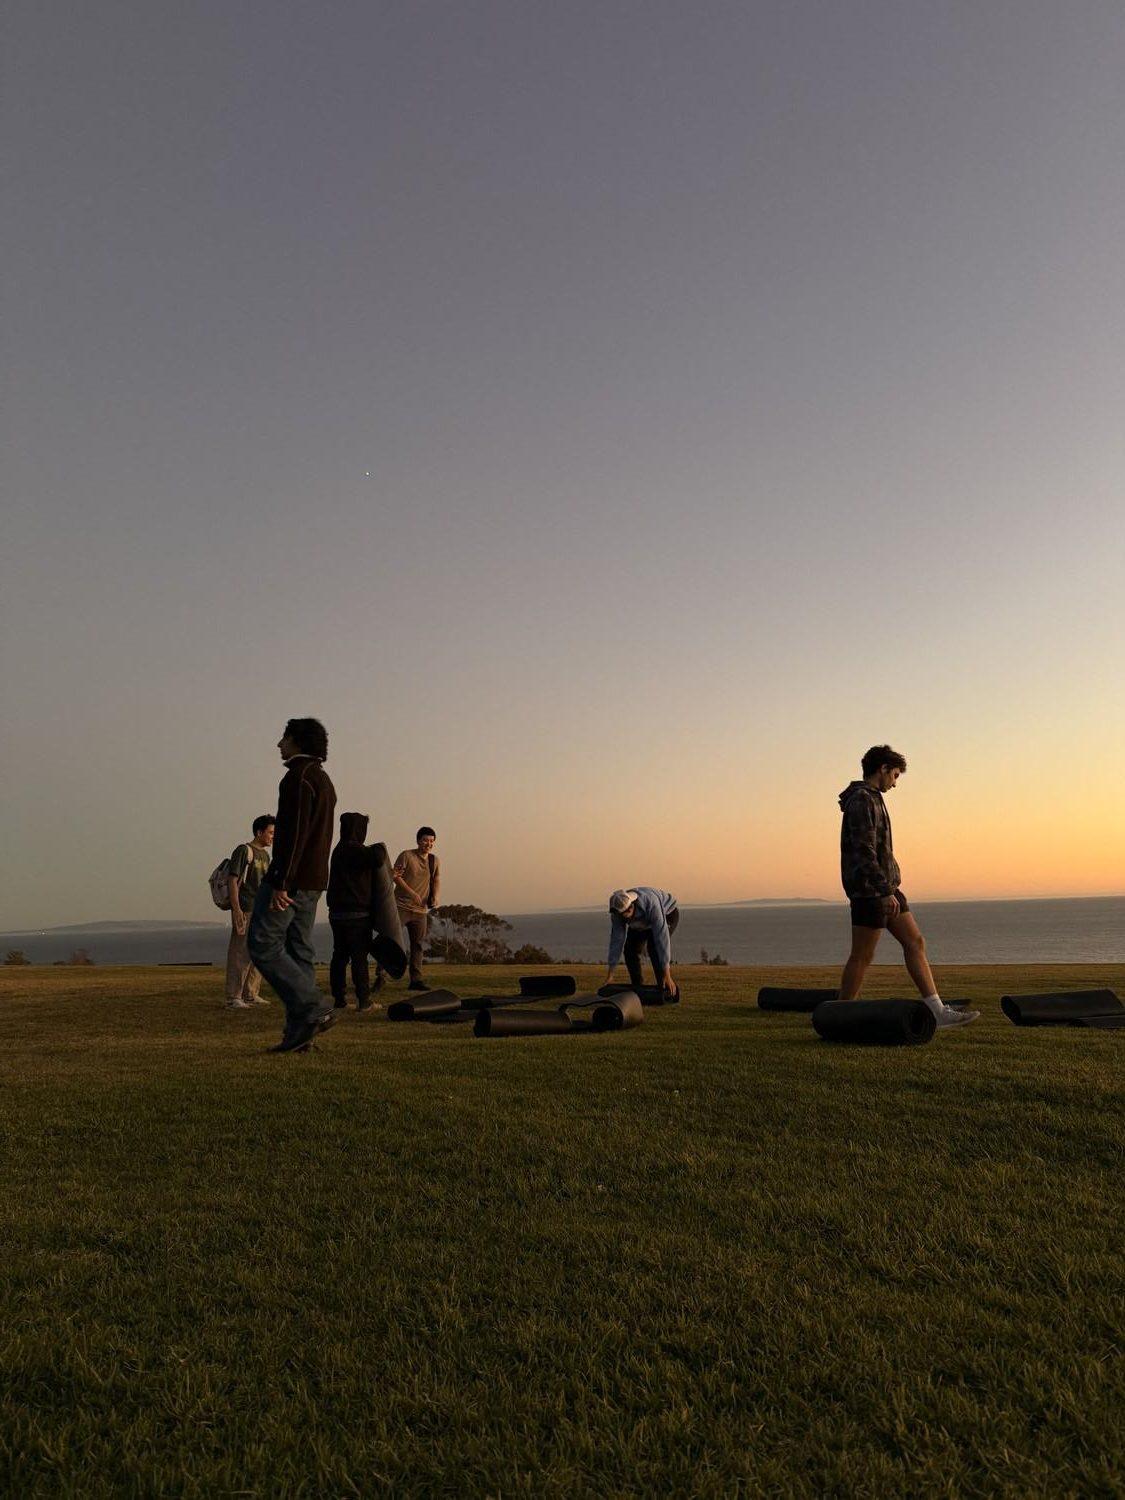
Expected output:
{"points": [[935, 1004]]}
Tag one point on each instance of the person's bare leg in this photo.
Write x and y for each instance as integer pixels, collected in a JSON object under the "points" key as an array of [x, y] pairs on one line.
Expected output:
{"points": [[905, 930], [864, 942]]}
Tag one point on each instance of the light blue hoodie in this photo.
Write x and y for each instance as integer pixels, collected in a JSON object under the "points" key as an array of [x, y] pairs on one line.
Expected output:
{"points": [[653, 910]]}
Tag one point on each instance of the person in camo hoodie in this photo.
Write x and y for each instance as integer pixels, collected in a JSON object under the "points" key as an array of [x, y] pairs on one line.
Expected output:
{"points": [[871, 876]]}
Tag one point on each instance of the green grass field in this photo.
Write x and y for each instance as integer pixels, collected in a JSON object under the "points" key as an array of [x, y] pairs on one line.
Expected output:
{"points": [[709, 1257]]}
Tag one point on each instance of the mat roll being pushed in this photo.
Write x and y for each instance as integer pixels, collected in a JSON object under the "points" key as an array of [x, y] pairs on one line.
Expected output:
{"points": [[884, 1023], [435, 1005], [647, 994], [617, 1013], [1096, 1008], [804, 1001], [547, 984]]}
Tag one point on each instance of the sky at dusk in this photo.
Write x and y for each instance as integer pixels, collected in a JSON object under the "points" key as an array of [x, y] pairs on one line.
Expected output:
{"points": [[608, 418]]}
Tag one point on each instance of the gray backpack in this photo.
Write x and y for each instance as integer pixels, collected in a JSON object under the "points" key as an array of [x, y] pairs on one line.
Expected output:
{"points": [[217, 880]]}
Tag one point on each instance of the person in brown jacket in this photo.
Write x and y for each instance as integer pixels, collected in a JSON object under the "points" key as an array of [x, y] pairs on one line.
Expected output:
{"points": [[280, 936]]}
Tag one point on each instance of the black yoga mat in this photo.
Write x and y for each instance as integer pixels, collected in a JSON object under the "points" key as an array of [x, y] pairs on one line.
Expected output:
{"points": [[1096, 1008], [387, 945], [608, 1013], [617, 1013], [435, 1005], [805, 1001], [535, 985], [648, 994], [886, 1023], [521, 1023]]}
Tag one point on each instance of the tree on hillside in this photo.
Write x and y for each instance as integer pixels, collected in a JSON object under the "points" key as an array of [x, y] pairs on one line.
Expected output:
{"points": [[470, 936], [16, 956]]}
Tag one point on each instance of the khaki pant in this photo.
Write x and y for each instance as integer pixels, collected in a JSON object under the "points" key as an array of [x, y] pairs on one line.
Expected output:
{"points": [[243, 979], [415, 925]]}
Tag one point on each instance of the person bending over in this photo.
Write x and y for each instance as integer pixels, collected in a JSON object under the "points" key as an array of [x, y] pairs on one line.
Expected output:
{"points": [[871, 878], [641, 920], [280, 937]]}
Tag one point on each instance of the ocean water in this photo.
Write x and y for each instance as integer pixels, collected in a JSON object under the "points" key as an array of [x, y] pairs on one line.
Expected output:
{"points": [[957, 932]]}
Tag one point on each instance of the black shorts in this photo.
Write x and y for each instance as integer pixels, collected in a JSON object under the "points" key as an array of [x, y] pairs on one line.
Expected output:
{"points": [[871, 911]]}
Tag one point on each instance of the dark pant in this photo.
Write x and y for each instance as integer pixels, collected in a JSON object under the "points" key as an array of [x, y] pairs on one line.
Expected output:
{"points": [[415, 927], [280, 943], [351, 938], [638, 942]]}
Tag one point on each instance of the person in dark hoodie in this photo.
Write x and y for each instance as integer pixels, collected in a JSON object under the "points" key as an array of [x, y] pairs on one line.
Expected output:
{"points": [[280, 935], [871, 878], [349, 912]]}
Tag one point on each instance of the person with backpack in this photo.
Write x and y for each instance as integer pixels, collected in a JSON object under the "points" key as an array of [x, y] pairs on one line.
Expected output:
{"points": [[417, 878], [246, 869], [281, 927]]}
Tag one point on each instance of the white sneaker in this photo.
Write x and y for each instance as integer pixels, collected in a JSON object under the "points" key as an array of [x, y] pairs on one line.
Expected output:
{"points": [[951, 1016], [238, 1005], [259, 1001]]}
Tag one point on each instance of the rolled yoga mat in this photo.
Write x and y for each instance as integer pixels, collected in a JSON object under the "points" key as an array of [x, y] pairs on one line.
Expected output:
{"points": [[1095, 1008], [387, 945], [648, 994], [536, 985], [887, 1023], [435, 1005], [618, 1013], [805, 1001]]}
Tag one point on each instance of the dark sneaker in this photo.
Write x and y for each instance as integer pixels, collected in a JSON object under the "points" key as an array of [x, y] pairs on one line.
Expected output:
{"points": [[301, 1038], [417, 984], [340, 1005]]}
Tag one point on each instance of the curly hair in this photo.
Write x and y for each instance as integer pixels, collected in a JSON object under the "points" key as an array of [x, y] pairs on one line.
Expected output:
{"points": [[310, 736]]}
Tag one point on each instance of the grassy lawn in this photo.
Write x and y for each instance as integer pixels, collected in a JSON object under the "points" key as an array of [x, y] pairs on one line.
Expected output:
{"points": [[713, 1256]]}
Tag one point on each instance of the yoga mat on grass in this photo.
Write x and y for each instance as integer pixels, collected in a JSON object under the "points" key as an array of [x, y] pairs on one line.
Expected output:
{"points": [[617, 1013], [536, 985], [435, 1005], [885, 1023], [1094, 1008], [387, 945], [803, 1001], [648, 994], [521, 1023]]}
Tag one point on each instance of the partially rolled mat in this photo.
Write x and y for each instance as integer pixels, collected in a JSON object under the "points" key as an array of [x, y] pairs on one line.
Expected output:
{"points": [[885, 1023], [1095, 1008], [616, 1013], [387, 945], [535, 985], [648, 994], [803, 1001], [434, 1005]]}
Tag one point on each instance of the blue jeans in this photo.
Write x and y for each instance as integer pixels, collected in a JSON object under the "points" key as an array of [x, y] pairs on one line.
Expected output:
{"points": [[280, 943]]}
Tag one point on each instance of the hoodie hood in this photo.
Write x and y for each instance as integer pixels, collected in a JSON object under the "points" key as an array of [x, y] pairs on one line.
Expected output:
{"points": [[353, 828], [852, 789]]}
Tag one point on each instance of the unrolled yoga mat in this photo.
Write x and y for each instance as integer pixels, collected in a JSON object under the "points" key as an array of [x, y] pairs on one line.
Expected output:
{"points": [[648, 994], [617, 1013], [435, 1005], [387, 945], [804, 1001], [887, 1023], [1096, 1008], [536, 985]]}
